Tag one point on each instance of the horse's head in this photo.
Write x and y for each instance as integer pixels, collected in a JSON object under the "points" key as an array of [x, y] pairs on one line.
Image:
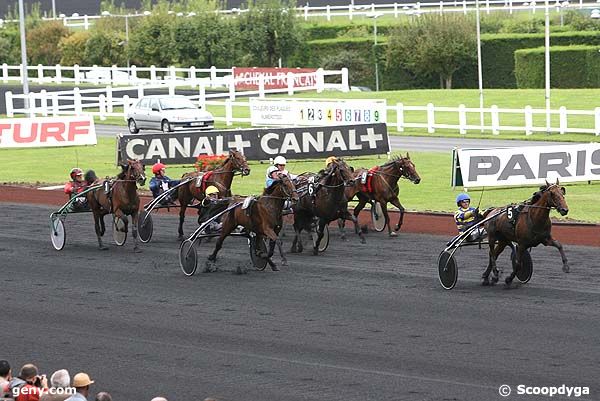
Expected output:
{"points": [[339, 171], [287, 187], [555, 197], [407, 169], [134, 170], [239, 162]]}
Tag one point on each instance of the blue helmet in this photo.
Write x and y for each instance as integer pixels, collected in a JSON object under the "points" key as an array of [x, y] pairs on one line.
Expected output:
{"points": [[462, 197]]}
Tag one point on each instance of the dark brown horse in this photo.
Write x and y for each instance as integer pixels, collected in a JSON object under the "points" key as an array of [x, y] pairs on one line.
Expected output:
{"points": [[122, 201], [264, 218], [326, 201], [531, 227], [221, 177], [383, 188]]}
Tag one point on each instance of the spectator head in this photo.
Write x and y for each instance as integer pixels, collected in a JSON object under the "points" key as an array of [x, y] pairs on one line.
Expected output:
{"points": [[103, 396], [60, 379], [28, 372], [82, 382], [4, 369], [159, 399]]}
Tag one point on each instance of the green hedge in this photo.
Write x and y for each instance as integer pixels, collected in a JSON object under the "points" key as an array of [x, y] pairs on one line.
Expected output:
{"points": [[570, 67]]}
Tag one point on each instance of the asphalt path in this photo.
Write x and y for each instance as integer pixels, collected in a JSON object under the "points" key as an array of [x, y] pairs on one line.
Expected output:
{"points": [[359, 322], [397, 143]]}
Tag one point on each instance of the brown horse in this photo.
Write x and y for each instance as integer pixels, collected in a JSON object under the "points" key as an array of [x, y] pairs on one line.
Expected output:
{"points": [[383, 188], [326, 201], [221, 178], [264, 218], [531, 227], [123, 201]]}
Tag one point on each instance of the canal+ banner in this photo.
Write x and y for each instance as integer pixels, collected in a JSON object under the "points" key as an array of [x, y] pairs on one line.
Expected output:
{"points": [[528, 165], [257, 144]]}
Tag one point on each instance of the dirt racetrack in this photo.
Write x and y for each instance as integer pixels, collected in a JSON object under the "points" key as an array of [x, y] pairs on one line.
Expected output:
{"points": [[359, 322]]}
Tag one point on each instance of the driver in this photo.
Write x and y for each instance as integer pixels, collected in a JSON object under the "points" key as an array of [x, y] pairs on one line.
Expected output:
{"points": [[211, 206], [161, 183], [76, 186], [277, 167], [466, 216]]}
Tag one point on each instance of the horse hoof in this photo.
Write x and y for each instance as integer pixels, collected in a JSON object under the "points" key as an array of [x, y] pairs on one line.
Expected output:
{"points": [[397, 228], [495, 280], [363, 241], [315, 251], [508, 281], [293, 250], [566, 268], [137, 250], [393, 234], [485, 282], [103, 248], [275, 268], [343, 237]]}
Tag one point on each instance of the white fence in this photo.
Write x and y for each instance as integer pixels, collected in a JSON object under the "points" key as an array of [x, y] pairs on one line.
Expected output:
{"points": [[115, 101], [351, 10]]}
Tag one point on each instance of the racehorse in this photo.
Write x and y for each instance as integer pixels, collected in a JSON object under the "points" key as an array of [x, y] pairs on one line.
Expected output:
{"points": [[221, 177], [263, 217], [531, 227], [326, 200], [122, 201], [381, 187]]}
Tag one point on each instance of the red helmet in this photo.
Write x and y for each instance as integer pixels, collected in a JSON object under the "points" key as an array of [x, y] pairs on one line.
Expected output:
{"points": [[157, 167], [75, 172]]}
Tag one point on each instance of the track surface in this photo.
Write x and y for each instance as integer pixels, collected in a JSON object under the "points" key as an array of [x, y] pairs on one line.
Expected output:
{"points": [[360, 322]]}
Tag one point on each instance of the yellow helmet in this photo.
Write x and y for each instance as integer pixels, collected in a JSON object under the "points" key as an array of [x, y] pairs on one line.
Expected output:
{"points": [[211, 190], [329, 160]]}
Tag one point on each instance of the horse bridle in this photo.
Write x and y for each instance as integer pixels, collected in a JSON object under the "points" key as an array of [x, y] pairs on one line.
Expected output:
{"points": [[554, 206]]}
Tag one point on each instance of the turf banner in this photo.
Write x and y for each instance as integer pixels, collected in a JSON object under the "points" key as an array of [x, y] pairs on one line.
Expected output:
{"points": [[257, 144], [40, 132]]}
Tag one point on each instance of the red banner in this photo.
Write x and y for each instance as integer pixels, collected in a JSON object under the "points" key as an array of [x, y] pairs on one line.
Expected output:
{"points": [[47, 131], [275, 78]]}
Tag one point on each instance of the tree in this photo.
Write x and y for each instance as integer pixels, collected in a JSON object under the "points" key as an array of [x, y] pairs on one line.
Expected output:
{"points": [[43, 40], [152, 42], [434, 45], [73, 48]]}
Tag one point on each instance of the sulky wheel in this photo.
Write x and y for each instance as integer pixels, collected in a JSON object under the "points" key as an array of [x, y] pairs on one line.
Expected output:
{"points": [[256, 247], [145, 226], [377, 217], [58, 235], [447, 270], [324, 241], [526, 271], [119, 233], [188, 258]]}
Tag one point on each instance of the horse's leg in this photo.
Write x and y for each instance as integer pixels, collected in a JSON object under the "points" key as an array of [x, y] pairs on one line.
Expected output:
{"points": [[357, 230], [182, 208], [517, 264], [362, 201], [552, 242], [102, 225], [98, 224], [294, 248], [396, 202], [226, 229], [134, 225], [499, 249], [491, 262], [387, 219], [273, 238], [341, 227], [320, 229]]}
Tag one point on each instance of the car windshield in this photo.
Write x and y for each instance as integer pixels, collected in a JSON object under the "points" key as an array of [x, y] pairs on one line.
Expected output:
{"points": [[176, 103]]}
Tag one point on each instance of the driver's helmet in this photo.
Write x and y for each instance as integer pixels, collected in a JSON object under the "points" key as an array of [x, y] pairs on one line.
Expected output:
{"points": [[330, 160], [279, 160], [462, 197], [211, 189], [76, 172], [157, 167], [270, 170]]}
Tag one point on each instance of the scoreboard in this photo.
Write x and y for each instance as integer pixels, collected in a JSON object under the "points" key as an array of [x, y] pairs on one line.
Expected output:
{"points": [[310, 112]]}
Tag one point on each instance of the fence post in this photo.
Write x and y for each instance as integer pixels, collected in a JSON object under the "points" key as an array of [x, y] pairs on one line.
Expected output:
{"points": [[228, 112], [152, 74], [328, 10], [126, 104], [102, 107], [77, 101], [86, 22], [8, 96], [495, 120], [430, 118], [213, 75], [40, 73], [113, 75], [140, 91], [172, 73], [261, 86], [132, 77], [350, 12], [76, 74], [320, 80], [32, 106], [109, 99], [4, 73], [510, 7], [528, 120], [58, 74], [562, 120], [465, 7], [97, 79], [306, 12], [231, 88], [21, 73], [345, 85], [395, 10], [399, 117], [290, 83], [202, 95], [55, 105], [44, 103], [192, 76], [487, 6], [462, 119], [172, 84]]}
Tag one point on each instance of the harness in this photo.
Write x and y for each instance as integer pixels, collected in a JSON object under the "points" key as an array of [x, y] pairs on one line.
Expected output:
{"points": [[367, 179]]}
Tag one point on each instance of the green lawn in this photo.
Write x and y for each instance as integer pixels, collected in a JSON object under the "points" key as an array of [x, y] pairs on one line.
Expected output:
{"points": [[51, 166]]}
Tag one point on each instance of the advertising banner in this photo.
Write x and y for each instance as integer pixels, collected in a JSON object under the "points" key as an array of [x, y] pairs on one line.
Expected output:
{"points": [[47, 131], [275, 78]]}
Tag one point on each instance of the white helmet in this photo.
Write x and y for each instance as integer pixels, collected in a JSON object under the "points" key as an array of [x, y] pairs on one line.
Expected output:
{"points": [[279, 160], [270, 171]]}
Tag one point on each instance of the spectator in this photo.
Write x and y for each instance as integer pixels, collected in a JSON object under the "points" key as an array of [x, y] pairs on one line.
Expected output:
{"points": [[81, 382], [60, 382], [29, 385], [103, 396], [5, 377]]}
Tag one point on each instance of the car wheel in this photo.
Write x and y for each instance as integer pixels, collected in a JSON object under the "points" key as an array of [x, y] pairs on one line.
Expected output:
{"points": [[132, 126], [165, 127]]}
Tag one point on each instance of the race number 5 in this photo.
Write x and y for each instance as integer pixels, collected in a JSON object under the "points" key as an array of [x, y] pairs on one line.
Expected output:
{"points": [[510, 213]]}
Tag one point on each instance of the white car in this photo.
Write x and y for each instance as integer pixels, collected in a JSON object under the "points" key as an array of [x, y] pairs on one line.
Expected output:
{"points": [[168, 113]]}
